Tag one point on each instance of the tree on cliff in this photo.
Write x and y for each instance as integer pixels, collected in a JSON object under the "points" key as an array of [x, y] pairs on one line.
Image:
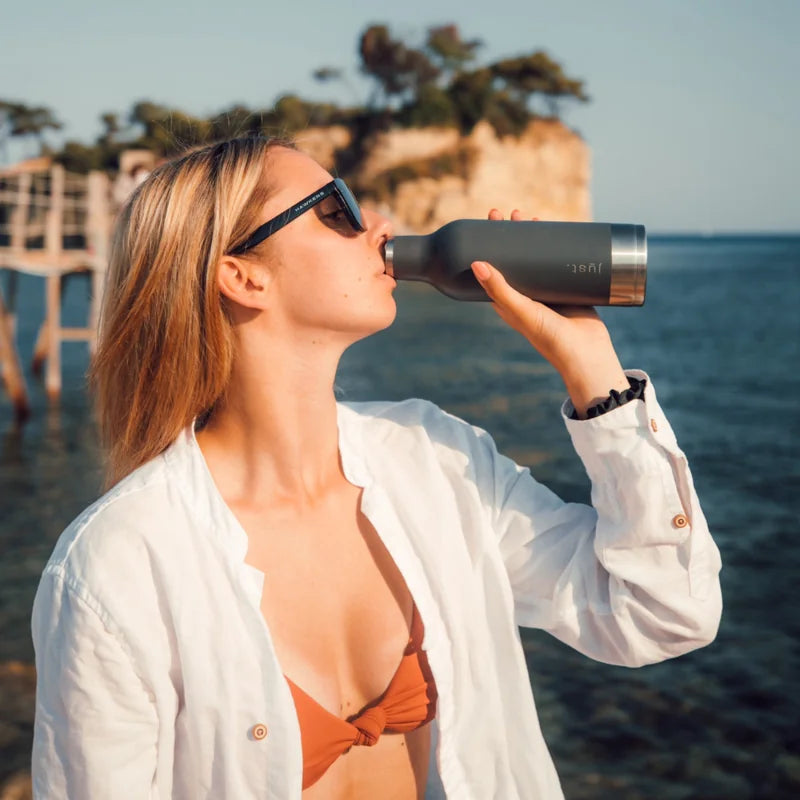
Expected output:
{"points": [[505, 93], [438, 89], [18, 121], [434, 103], [476, 96], [450, 52], [525, 77], [433, 84], [399, 71], [166, 130]]}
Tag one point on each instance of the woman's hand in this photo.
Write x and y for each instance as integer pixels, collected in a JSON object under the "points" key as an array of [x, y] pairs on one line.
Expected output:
{"points": [[572, 338]]}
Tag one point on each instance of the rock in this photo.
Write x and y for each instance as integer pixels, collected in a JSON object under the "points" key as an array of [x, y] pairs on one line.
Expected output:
{"points": [[322, 143], [544, 172], [390, 149], [17, 787]]}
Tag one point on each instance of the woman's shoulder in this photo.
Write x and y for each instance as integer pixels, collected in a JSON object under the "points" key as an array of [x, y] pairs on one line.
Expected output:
{"points": [[114, 569], [117, 533]]}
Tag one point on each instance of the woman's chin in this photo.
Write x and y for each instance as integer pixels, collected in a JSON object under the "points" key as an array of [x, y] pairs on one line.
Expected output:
{"points": [[379, 321]]}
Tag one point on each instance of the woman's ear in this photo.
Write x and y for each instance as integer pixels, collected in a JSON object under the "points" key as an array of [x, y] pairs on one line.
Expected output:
{"points": [[243, 282]]}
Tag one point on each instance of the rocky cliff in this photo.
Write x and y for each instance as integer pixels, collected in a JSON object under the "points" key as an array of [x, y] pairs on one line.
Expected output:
{"points": [[424, 177]]}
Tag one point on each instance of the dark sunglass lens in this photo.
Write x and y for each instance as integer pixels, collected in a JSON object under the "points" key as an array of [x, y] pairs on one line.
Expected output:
{"points": [[351, 205]]}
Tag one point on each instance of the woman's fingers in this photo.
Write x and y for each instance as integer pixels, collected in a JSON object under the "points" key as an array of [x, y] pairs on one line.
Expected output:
{"points": [[516, 214], [535, 321], [497, 287], [491, 280]]}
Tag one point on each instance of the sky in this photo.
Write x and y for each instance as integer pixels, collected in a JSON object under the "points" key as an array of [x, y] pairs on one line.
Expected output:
{"points": [[693, 124]]}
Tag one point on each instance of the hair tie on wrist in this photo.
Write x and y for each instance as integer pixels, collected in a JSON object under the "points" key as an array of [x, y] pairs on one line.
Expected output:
{"points": [[615, 399]]}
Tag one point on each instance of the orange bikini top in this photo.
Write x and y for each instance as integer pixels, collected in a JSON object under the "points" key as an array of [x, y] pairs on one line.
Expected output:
{"points": [[408, 703]]}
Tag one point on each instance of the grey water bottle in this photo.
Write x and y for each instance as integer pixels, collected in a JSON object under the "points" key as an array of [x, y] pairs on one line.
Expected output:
{"points": [[575, 263]]}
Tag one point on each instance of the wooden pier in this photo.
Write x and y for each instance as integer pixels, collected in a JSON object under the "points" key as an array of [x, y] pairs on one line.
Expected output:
{"points": [[52, 223]]}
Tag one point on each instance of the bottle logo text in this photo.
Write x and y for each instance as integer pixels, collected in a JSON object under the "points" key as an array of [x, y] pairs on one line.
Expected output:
{"points": [[592, 266]]}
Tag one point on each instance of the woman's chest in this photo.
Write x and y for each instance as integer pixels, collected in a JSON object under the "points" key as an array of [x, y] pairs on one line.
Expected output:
{"points": [[336, 605]]}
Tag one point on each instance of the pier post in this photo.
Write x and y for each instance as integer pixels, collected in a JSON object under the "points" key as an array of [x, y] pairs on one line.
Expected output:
{"points": [[54, 243], [19, 215], [12, 372]]}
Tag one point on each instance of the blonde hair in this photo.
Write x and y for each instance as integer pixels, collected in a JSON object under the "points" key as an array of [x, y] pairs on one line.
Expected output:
{"points": [[165, 346]]}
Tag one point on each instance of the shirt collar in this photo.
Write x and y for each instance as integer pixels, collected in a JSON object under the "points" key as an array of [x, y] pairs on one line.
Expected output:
{"points": [[211, 512]]}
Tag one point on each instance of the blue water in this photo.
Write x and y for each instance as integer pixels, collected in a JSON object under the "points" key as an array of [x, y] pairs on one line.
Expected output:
{"points": [[720, 337]]}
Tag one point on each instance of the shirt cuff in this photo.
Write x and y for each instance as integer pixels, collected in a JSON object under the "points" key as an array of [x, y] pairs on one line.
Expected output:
{"points": [[627, 424], [615, 399]]}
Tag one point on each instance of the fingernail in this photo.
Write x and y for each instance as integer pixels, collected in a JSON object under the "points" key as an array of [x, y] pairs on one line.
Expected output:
{"points": [[481, 270]]}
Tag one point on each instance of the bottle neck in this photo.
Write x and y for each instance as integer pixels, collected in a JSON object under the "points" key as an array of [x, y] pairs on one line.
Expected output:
{"points": [[407, 257]]}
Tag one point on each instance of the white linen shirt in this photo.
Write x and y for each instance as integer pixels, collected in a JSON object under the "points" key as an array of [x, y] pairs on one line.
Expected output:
{"points": [[155, 664]]}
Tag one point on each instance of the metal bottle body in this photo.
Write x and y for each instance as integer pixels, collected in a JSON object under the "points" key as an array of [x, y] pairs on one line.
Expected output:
{"points": [[577, 263]]}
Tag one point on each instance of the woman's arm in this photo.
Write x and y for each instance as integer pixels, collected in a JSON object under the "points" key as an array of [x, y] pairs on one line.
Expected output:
{"points": [[634, 578], [96, 727], [630, 580]]}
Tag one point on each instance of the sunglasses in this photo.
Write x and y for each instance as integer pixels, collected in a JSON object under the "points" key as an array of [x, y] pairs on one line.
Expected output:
{"points": [[336, 188]]}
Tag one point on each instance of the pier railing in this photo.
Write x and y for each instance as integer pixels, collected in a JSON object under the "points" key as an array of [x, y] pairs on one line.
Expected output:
{"points": [[52, 223]]}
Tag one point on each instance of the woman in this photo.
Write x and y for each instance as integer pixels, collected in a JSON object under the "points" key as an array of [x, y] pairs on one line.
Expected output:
{"points": [[285, 596]]}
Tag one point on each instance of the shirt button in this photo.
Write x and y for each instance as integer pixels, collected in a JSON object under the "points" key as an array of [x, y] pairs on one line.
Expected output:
{"points": [[680, 521], [654, 425], [259, 731]]}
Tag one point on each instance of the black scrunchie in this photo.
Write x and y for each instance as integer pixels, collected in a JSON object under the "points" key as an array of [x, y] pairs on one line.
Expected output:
{"points": [[615, 399]]}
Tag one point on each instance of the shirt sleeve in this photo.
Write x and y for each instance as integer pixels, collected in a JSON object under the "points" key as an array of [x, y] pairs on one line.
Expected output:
{"points": [[95, 729], [630, 580]]}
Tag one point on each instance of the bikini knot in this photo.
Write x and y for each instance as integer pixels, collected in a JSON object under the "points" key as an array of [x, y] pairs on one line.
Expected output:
{"points": [[370, 726]]}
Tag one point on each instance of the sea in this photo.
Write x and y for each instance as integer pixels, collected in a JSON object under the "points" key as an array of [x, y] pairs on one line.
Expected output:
{"points": [[719, 335]]}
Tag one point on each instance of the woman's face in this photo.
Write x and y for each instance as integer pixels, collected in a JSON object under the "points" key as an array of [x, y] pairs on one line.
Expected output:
{"points": [[327, 280]]}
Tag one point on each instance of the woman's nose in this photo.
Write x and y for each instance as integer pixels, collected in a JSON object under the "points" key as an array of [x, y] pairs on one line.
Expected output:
{"points": [[379, 228]]}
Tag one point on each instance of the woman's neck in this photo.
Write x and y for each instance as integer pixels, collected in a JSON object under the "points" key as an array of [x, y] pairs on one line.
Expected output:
{"points": [[273, 436]]}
